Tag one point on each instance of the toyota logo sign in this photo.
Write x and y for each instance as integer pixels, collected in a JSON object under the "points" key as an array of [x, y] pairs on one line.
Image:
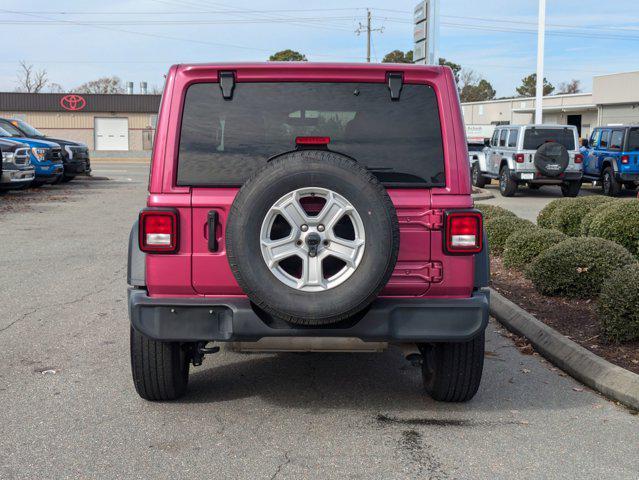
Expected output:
{"points": [[73, 102]]}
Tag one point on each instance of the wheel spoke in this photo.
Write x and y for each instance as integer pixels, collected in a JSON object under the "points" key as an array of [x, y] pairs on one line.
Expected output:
{"points": [[345, 250], [312, 272], [332, 212], [278, 250], [293, 212]]}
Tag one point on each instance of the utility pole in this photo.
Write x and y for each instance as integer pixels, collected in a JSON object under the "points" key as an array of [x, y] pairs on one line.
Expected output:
{"points": [[368, 31], [541, 33]]}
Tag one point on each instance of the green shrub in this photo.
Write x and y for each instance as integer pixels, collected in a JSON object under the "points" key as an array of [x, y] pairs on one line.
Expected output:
{"points": [[584, 228], [577, 267], [498, 230], [523, 247], [493, 211], [568, 215], [545, 218], [618, 304], [619, 223]]}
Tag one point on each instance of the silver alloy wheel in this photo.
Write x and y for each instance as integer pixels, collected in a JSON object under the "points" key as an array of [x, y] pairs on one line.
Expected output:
{"points": [[312, 239]]}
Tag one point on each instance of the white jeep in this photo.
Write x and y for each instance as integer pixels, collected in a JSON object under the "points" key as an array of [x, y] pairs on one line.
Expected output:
{"points": [[534, 155]]}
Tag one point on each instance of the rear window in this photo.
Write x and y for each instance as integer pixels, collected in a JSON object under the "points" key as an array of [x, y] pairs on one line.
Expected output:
{"points": [[633, 139], [535, 137], [475, 147], [223, 142]]}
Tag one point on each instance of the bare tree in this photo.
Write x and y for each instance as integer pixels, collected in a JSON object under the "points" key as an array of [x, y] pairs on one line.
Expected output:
{"points": [[101, 85], [573, 86], [468, 77], [55, 88], [30, 80]]}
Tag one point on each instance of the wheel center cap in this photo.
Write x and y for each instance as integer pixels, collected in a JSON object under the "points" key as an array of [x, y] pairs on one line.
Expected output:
{"points": [[312, 242]]}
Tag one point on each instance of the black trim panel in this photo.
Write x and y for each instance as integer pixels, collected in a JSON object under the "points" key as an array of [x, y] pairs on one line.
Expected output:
{"points": [[234, 319]]}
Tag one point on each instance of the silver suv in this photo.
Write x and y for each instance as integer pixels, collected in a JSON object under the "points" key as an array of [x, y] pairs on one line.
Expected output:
{"points": [[534, 155]]}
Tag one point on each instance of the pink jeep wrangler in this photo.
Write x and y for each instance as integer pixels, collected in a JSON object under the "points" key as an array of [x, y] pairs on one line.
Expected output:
{"points": [[309, 207]]}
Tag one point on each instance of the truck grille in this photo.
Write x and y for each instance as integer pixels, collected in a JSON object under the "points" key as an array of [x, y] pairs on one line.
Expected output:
{"points": [[80, 153], [21, 156], [54, 154]]}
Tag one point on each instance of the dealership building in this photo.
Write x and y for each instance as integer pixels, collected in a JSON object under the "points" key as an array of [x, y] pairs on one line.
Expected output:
{"points": [[114, 123], [614, 101]]}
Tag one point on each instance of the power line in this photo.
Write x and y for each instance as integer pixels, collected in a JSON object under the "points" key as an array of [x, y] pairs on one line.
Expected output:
{"points": [[367, 28], [153, 35]]}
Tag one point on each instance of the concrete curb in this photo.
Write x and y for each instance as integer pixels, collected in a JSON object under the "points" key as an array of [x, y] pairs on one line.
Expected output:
{"points": [[614, 382], [482, 195]]}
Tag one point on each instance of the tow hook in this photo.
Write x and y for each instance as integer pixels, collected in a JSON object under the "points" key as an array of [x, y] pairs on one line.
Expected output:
{"points": [[199, 350]]}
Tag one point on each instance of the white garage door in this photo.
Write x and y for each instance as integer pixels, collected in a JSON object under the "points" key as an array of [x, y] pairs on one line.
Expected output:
{"points": [[111, 133]]}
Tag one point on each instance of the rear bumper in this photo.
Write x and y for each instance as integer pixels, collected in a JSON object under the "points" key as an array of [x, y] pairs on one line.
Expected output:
{"points": [[544, 180], [233, 319], [628, 177]]}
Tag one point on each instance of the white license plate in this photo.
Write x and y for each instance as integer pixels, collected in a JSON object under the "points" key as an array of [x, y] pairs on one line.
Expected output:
{"points": [[527, 176]]}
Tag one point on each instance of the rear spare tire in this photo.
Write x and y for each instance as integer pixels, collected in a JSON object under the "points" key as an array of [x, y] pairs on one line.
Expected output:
{"points": [[551, 159], [312, 237]]}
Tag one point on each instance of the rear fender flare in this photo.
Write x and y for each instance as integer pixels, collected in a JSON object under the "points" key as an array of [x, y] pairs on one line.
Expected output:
{"points": [[136, 265]]}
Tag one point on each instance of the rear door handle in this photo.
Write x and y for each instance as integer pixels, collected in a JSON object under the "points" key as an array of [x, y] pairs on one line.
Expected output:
{"points": [[213, 219]]}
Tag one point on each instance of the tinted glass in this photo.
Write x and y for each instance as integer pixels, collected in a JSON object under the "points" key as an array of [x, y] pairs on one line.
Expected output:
{"points": [[493, 140], [616, 139], [224, 141], [502, 138], [475, 147], [594, 138], [603, 141], [535, 137], [28, 130], [512, 138], [633, 139]]}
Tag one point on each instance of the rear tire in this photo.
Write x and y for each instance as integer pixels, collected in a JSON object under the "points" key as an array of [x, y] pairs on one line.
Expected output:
{"points": [[571, 189], [452, 371], [160, 369], [611, 187], [507, 186], [479, 180]]}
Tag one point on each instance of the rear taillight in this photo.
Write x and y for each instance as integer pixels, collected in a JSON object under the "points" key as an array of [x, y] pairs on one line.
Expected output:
{"points": [[579, 158], [158, 231], [519, 157], [463, 232], [312, 140], [625, 159]]}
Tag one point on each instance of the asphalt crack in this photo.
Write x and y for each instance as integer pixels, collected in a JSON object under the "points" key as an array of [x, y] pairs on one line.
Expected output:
{"points": [[286, 461], [61, 304]]}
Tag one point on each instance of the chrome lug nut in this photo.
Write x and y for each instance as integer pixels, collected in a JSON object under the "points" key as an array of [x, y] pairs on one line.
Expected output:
{"points": [[304, 228], [320, 228]]}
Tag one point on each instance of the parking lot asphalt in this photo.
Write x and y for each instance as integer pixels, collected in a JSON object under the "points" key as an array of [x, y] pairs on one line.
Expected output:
{"points": [[68, 408], [528, 203]]}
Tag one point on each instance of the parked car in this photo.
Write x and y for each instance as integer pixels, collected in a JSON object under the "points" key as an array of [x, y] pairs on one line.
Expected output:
{"points": [[75, 155], [277, 201], [45, 156], [16, 170], [477, 155], [534, 155], [612, 158]]}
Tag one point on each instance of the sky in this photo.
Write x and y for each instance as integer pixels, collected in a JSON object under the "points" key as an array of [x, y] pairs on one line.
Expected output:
{"points": [[79, 40]]}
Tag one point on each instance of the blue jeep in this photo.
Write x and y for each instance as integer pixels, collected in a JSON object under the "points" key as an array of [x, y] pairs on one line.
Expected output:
{"points": [[611, 156], [46, 157]]}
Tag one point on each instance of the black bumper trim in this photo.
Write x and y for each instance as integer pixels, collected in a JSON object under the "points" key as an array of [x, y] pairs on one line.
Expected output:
{"points": [[628, 177], [233, 319]]}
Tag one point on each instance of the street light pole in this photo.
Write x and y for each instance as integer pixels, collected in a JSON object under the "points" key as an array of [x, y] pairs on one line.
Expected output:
{"points": [[541, 33]]}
